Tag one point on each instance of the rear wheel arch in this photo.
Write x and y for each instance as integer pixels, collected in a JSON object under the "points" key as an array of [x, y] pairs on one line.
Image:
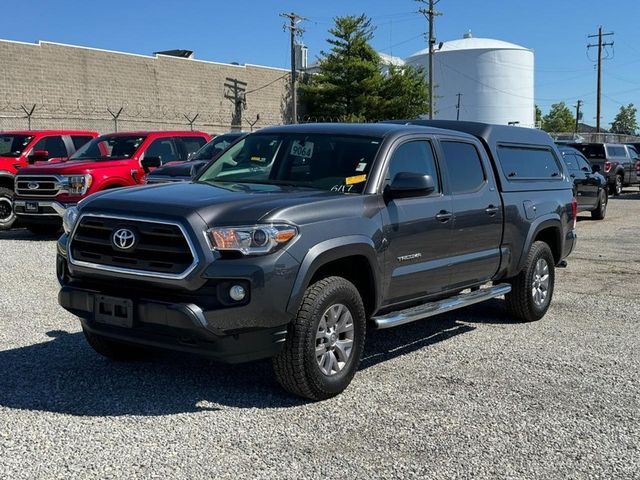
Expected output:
{"points": [[546, 230]]}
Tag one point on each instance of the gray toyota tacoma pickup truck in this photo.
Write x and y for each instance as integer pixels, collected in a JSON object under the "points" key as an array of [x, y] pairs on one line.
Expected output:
{"points": [[298, 239]]}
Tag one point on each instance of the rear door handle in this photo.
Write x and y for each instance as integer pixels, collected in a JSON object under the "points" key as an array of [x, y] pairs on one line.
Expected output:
{"points": [[491, 210], [444, 216]]}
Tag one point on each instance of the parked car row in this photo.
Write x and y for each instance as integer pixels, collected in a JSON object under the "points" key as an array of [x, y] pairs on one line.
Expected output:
{"points": [[619, 163], [43, 173]]}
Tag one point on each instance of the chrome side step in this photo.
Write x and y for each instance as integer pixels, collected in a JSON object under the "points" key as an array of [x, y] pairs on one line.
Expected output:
{"points": [[426, 310]]}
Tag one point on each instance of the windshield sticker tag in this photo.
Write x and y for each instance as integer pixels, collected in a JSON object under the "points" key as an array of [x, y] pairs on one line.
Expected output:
{"points": [[355, 179], [304, 150], [361, 166]]}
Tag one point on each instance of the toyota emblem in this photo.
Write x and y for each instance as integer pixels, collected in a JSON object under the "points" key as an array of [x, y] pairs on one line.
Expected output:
{"points": [[123, 239], [33, 186]]}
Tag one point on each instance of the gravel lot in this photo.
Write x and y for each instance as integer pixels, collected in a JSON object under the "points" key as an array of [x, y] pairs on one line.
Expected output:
{"points": [[469, 394]]}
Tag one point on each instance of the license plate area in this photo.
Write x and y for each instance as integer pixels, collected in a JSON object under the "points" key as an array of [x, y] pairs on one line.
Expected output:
{"points": [[113, 311], [31, 206]]}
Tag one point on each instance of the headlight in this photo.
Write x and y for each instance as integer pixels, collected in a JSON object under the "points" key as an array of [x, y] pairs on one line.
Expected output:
{"points": [[255, 240], [69, 219], [77, 184]]}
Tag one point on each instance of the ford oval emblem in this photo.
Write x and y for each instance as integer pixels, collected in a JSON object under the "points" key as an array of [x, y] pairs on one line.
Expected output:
{"points": [[33, 185], [123, 239]]}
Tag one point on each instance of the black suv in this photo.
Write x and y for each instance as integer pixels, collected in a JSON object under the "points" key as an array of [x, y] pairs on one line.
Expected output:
{"points": [[590, 186], [614, 160], [335, 228]]}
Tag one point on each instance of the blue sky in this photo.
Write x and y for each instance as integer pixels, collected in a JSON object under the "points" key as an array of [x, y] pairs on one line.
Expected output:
{"points": [[251, 32]]}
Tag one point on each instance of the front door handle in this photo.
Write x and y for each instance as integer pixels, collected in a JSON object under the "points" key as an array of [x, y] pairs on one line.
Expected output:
{"points": [[491, 210], [444, 216]]}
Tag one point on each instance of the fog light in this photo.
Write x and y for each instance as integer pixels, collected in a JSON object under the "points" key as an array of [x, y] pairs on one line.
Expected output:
{"points": [[237, 292]]}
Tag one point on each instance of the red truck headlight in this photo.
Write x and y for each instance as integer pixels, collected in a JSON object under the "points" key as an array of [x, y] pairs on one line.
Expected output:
{"points": [[77, 184]]}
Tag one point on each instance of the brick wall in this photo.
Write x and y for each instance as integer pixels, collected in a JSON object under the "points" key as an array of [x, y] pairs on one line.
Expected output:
{"points": [[72, 87]]}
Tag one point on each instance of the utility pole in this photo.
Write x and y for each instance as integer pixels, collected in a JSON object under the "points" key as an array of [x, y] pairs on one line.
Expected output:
{"points": [[294, 30], [430, 13], [458, 106], [600, 44], [578, 105]]}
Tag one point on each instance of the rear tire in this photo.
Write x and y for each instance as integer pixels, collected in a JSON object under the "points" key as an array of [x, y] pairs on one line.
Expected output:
{"points": [[113, 350], [7, 217], [324, 342], [601, 210], [616, 188], [532, 288]]}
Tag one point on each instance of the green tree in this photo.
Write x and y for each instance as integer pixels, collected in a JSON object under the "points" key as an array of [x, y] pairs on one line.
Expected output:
{"points": [[350, 85], [559, 119], [404, 93], [538, 114], [626, 121]]}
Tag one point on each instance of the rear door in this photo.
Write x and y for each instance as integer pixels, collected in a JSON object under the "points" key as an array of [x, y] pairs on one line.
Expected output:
{"points": [[418, 229], [477, 213]]}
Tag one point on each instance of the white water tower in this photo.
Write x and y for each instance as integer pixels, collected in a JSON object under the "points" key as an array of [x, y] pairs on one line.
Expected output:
{"points": [[494, 78]]}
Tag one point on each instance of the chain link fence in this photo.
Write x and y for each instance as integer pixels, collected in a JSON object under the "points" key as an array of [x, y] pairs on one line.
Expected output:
{"points": [[595, 137]]}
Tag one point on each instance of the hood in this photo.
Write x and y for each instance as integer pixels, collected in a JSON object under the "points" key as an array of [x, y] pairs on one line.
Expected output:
{"points": [[183, 169], [238, 204], [8, 164], [65, 167]]}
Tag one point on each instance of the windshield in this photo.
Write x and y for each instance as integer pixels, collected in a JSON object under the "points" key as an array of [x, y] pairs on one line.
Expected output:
{"points": [[109, 147], [338, 163], [216, 146], [13, 145]]}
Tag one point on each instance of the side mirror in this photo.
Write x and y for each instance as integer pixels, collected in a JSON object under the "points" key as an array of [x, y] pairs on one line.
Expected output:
{"points": [[38, 156], [595, 168], [149, 163], [409, 184]]}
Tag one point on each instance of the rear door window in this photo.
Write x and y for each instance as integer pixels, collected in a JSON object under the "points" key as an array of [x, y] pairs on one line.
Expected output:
{"points": [[80, 140], [464, 166], [528, 162], [164, 149], [571, 162], [192, 145], [616, 151]]}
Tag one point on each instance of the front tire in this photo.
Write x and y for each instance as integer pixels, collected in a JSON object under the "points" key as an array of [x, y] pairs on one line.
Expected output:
{"points": [[7, 216], [601, 210], [113, 350], [325, 341], [532, 288]]}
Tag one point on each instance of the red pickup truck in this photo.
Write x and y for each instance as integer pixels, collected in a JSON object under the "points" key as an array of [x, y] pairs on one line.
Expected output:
{"points": [[44, 192], [22, 147]]}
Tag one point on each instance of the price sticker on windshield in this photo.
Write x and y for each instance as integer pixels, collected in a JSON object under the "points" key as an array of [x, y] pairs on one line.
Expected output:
{"points": [[304, 150]]}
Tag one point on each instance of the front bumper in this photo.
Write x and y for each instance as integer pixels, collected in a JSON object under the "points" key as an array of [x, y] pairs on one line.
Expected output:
{"points": [[40, 208], [178, 326]]}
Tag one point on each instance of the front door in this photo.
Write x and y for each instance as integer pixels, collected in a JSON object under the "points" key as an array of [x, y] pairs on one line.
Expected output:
{"points": [[417, 229]]}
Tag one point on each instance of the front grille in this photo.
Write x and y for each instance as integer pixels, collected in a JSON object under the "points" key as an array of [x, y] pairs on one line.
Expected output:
{"points": [[46, 185], [160, 248]]}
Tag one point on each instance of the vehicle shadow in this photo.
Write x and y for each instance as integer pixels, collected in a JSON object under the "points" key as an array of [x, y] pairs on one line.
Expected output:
{"points": [[626, 195], [24, 234], [64, 375]]}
